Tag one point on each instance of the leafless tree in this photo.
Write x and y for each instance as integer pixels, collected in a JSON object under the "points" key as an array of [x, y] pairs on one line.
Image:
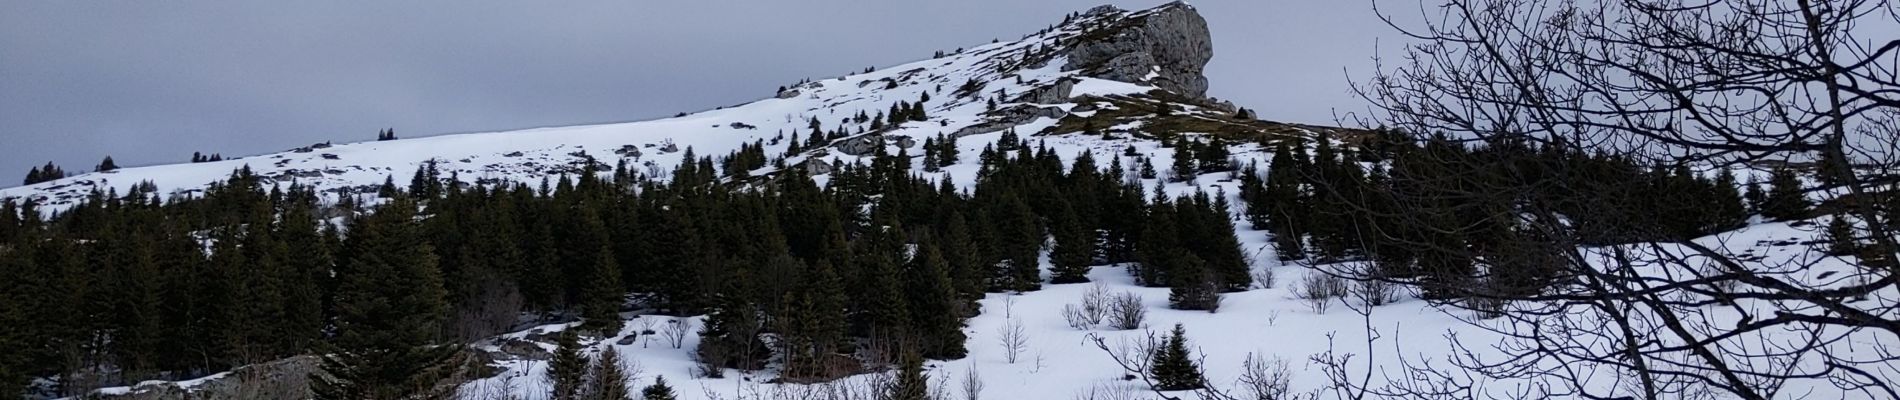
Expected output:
{"points": [[972, 384], [1318, 289], [676, 330], [1716, 85], [1126, 312], [1263, 378], [1014, 339]]}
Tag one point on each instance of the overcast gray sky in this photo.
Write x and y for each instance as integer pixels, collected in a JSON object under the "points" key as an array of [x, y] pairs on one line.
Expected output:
{"points": [[149, 82]]}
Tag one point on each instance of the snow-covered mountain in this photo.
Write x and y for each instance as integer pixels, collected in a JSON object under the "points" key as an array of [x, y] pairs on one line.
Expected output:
{"points": [[1106, 70], [1103, 81]]}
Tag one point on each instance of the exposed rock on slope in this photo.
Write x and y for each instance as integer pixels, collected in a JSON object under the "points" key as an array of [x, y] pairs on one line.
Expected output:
{"points": [[1168, 47]]}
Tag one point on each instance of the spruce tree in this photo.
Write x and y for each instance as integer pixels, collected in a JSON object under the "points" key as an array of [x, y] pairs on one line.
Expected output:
{"points": [[1171, 366], [389, 302], [1074, 249], [1192, 286], [567, 371], [933, 299], [911, 383], [1840, 236], [1785, 199], [608, 379], [1184, 169], [658, 390]]}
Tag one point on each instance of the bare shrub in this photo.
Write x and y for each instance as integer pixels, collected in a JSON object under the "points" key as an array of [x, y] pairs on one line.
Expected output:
{"points": [[1487, 307], [1107, 392], [1091, 311], [1095, 302], [1375, 291], [676, 329], [1126, 311], [1077, 318], [1319, 289], [972, 384], [1014, 339], [1264, 278], [1266, 379]]}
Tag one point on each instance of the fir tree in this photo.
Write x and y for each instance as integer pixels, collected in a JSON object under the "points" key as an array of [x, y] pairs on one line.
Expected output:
{"points": [[608, 379], [1184, 170], [106, 165], [1074, 249], [911, 383], [567, 371], [932, 301], [1840, 237], [658, 390], [389, 301], [1172, 367], [1785, 199]]}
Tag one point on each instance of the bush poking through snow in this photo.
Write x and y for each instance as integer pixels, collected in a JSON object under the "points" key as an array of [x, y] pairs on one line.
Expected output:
{"points": [[1126, 311], [1091, 311], [1318, 289], [1014, 339], [972, 384], [1264, 278], [676, 330], [1077, 318], [1266, 379], [1371, 287]]}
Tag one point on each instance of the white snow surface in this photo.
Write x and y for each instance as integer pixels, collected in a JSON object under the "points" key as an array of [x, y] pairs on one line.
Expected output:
{"points": [[1060, 363], [528, 155]]}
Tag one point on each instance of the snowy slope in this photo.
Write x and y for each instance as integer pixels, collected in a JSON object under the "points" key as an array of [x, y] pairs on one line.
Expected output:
{"points": [[1005, 69]]}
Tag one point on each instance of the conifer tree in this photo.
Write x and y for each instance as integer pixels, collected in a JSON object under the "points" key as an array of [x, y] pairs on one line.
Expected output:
{"points": [[658, 390], [1074, 248], [389, 301], [1147, 169], [911, 383], [1172, 367], [607, 380], [933, 306], [594, 272], [1753, 195], [106, 165], [1184, 170], [1192, 286], [567, 371], [1840, 236], [1785, 199]]}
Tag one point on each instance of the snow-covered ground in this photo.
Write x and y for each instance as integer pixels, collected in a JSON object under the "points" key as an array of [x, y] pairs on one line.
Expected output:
{"points": [[1060, 361], [650, 147], [1063, 362]]}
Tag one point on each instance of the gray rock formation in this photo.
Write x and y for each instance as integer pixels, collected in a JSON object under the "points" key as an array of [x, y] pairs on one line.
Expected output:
{"points": [[1009, 118], [1058, 92], [1171, 43]]}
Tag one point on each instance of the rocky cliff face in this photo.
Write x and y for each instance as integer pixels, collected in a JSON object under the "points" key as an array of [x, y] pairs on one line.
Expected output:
{"points": [[1168, 47]]}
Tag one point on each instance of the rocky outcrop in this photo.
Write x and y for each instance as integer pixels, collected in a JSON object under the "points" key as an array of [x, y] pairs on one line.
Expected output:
{"points": [[1009, 118], [868, 143], [282, 379], [1168, 47], [1058, 92]]}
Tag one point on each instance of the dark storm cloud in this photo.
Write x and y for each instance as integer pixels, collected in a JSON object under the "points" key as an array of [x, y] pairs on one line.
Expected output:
{"points": [[151, 82]]}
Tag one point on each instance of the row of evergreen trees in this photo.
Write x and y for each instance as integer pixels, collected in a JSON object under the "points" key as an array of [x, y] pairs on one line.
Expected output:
{"points": [[1435, 212], [134, 286]]}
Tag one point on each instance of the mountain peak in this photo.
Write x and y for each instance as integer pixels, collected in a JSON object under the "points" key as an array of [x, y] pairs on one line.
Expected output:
{"points": [[1167, 46], [1106, 78]]}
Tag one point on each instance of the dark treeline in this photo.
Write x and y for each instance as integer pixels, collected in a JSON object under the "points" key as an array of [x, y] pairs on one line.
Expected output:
{"points": [[132, 286], [1431, 214]]}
